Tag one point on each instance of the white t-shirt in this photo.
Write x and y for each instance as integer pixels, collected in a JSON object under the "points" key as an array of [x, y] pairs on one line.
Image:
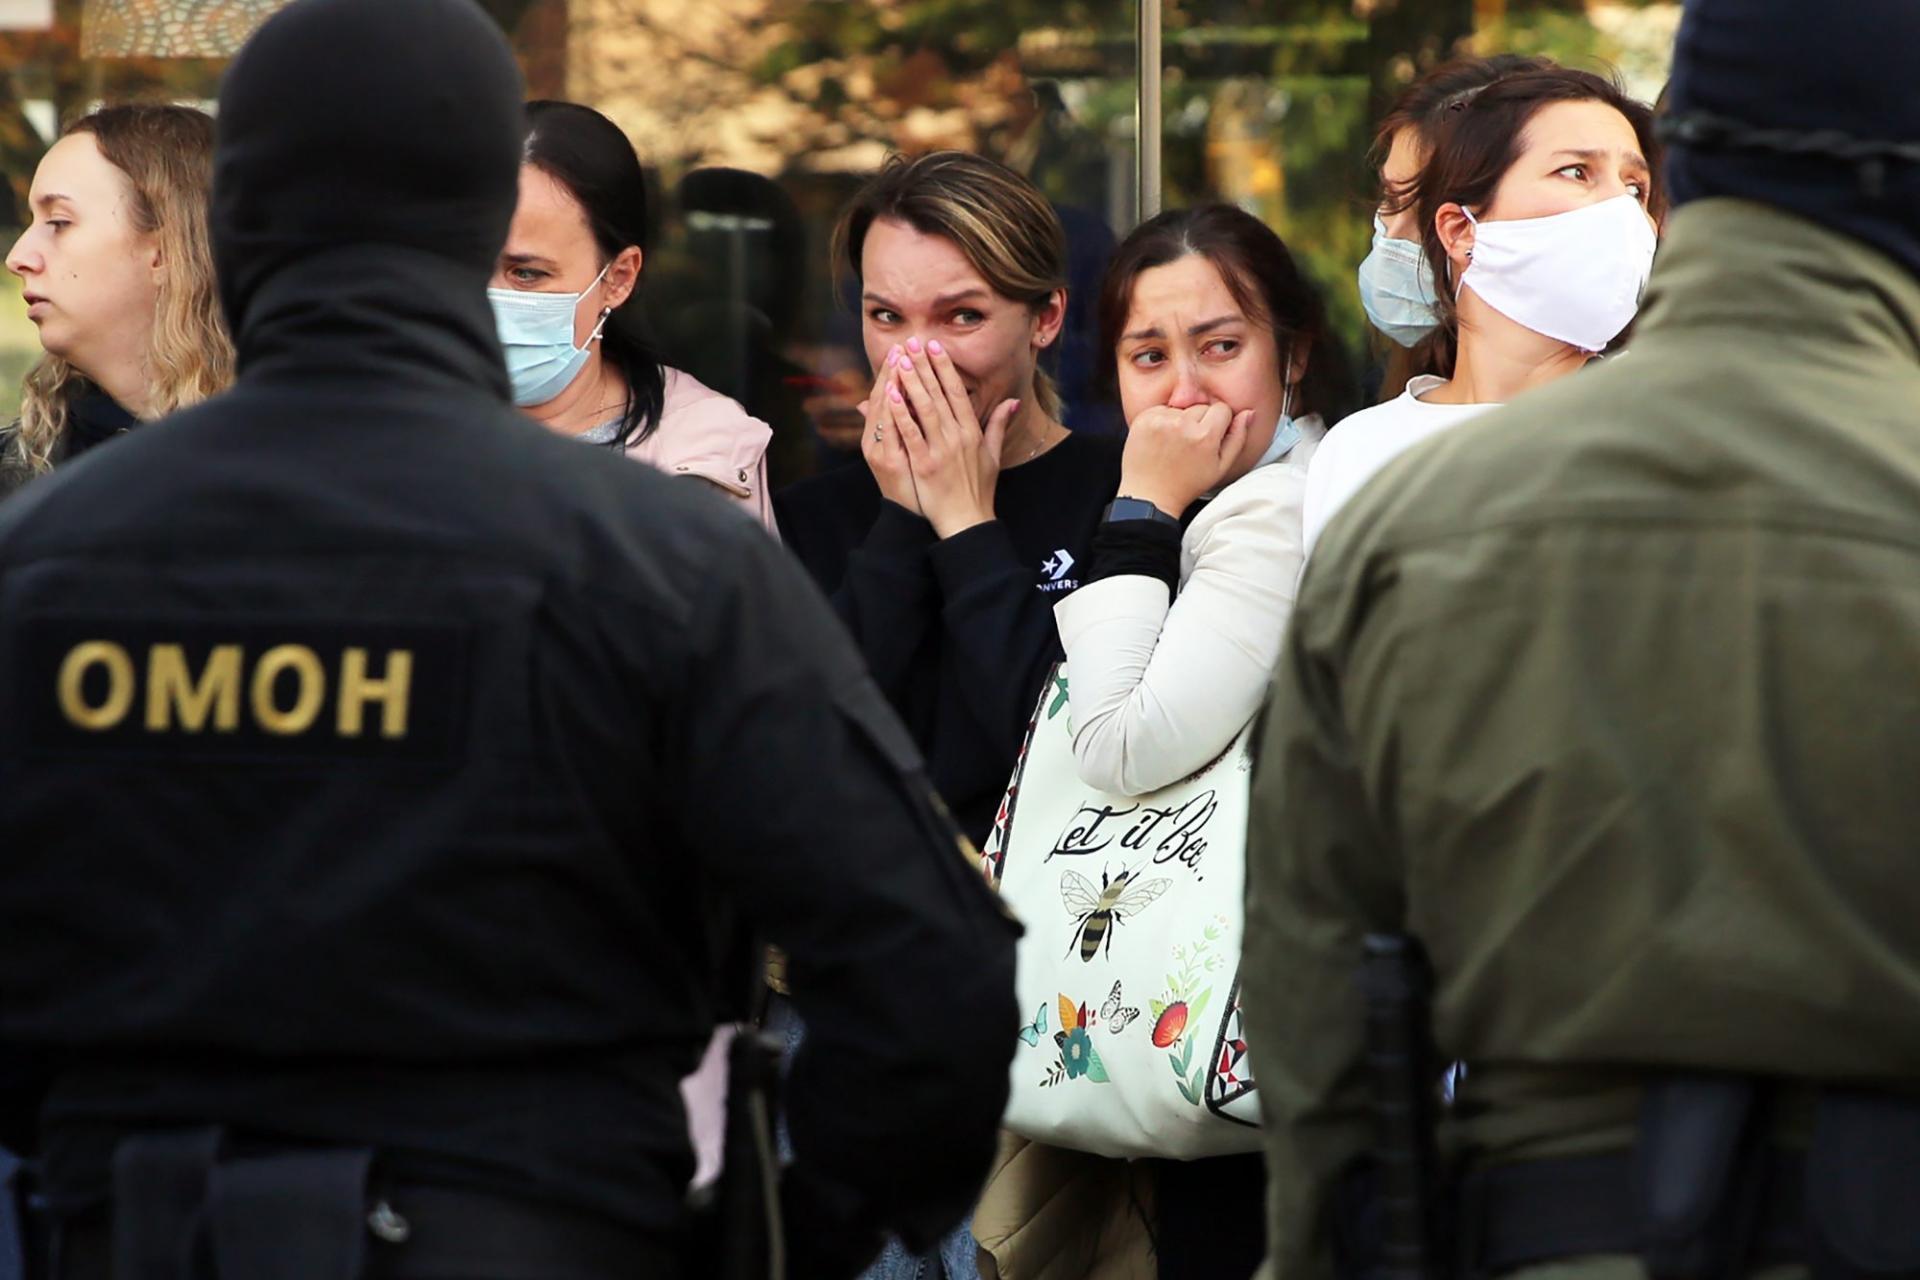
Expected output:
{"points": [[1367, 441]]}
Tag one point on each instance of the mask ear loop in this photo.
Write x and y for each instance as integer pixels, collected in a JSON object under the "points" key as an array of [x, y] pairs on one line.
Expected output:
{"points": [[606, 313], [1286, 386], [1461, 283]]}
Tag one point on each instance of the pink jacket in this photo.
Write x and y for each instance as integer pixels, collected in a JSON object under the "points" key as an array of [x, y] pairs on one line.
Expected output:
{"points": [[702, 433]]}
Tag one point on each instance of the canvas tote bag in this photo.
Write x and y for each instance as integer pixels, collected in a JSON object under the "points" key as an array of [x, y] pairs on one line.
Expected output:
{"points": [[1129, 970]]}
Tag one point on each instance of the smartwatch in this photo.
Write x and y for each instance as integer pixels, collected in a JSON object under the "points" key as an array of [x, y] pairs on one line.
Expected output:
{"points": [[1137, 509]]}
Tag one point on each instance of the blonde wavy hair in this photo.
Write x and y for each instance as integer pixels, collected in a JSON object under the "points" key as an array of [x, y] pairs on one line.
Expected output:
{"points": [[999, 220], [167, 154]]}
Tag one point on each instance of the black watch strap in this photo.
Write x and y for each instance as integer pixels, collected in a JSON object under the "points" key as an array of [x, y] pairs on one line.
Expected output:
{"points": [[1137, 509]]}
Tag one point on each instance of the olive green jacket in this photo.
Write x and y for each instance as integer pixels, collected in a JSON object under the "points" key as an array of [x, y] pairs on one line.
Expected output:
{"points": [[1612, 697]]}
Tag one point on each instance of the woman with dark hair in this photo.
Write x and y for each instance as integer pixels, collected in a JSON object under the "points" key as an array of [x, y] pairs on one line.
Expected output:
{"points": [[1396, 287], [1227, 374], [566, 303], [1538, 212]]}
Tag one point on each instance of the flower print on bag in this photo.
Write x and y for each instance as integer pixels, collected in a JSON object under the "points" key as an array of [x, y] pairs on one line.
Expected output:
{"points": [[1189, 989], [1079, 1060]]}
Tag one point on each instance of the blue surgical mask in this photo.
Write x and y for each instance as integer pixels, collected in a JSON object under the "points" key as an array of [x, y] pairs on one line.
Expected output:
{"points": [[1287, 433], [1396, 289], [536, 332]]}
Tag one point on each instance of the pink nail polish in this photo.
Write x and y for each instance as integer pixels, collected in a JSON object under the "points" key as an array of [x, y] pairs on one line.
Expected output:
{"points": [[893, 394], [934, 346], [913, 344]]}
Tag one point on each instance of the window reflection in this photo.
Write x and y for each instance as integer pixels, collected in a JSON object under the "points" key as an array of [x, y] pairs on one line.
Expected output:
{"points": [[763, 116], [169, 28], [760, 117]]}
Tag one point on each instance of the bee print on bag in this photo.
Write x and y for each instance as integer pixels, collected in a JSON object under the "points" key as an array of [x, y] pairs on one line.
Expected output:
{"points": [[1099, 912]]}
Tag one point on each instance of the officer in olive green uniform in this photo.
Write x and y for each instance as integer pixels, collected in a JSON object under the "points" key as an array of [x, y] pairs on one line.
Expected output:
{"points": [[1612, 700]]}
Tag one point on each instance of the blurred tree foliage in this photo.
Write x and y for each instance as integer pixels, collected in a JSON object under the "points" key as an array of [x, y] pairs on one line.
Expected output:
{"points": [[1041, 84], [1267, 103]]}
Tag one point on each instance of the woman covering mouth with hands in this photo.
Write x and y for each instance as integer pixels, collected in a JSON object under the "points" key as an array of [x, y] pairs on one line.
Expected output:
{"points": [[977, 506], [1228, 376]]}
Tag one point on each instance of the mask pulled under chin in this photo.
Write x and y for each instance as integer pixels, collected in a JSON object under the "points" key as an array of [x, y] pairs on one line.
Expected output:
{"points": [[1286, 432], [1575, 277]]}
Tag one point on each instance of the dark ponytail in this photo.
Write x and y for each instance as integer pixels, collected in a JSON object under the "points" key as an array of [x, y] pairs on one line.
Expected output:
{"points": [[587, 154]]}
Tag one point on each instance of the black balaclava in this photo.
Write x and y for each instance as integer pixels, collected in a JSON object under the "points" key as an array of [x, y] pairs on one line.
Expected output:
{"points": [[365, 175], [1812, 108]]}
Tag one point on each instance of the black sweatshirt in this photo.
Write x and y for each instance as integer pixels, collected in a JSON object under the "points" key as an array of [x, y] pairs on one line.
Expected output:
{"points": [[959, 633], [93, 417]]}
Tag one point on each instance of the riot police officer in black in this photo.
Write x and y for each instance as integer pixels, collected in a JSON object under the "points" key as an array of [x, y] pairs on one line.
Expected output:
{"points": [[376, 769]]}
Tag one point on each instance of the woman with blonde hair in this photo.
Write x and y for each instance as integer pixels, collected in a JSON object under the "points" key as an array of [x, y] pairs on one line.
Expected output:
{"points": [[946, 553], [118, 279], [948, 550]]}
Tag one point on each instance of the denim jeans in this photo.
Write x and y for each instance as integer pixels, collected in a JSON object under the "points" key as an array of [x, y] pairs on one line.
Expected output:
{"points": [[954, 1260]]}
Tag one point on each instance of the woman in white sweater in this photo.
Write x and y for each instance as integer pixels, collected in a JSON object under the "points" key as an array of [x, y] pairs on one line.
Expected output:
{"points": [[1226, 376]]}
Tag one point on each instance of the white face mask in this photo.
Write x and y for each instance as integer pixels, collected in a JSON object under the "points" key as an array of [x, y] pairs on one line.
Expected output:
{"points": [[1575, 277]]}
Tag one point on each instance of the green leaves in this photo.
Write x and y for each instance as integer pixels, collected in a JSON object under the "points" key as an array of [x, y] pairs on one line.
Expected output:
{"points": [[1096, 1069]]}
